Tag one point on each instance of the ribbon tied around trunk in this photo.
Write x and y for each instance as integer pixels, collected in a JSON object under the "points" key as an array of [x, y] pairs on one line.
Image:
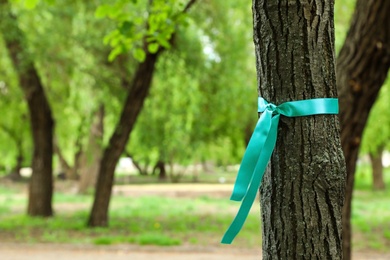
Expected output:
{"points": [[260, 148]]}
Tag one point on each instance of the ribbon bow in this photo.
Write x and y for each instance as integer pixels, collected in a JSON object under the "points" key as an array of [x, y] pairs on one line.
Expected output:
{"points": [[260, 148]]}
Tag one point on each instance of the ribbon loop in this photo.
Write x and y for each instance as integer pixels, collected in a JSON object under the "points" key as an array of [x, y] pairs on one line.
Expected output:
{"points": [[260, 148]]}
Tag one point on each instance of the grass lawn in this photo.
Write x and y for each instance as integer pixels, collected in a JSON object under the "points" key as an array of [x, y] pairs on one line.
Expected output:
{"points": [[166, 221]]}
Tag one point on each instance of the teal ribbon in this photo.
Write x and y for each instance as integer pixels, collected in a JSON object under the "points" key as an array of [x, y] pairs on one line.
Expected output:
{"points": [[260, 148]]}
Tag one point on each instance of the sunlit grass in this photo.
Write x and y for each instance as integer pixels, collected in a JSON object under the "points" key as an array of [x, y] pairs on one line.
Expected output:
{"points": [[370, 212], [144, 220], [363, 177]]}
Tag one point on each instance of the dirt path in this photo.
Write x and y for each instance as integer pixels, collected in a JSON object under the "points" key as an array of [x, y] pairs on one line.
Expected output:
{"points": [[129, 252], [72, 252], [176, 190]]}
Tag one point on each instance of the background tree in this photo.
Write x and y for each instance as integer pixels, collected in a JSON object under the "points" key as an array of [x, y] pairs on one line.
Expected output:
{"points": [[42, 123], [302, 190], [147, 48], [73, 62], [362, 67]]}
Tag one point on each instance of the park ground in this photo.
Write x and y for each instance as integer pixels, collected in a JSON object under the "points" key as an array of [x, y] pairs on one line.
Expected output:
{"points": [[130, 252], [16, 249]]}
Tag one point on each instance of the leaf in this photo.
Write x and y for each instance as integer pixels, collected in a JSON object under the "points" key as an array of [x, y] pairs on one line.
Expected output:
{"points": [[139, 54], [126, 28], [102, 11], [153, 47], [111, 37], [114, 53], [163, 42], [30, 4]]}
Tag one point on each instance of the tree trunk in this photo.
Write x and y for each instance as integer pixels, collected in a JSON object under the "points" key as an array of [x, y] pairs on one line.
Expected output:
{"points": [[303, 188], [15, 174], [378, 182], [66, 169], [142, 170], [133, 104], [160, 167], [42, 124], [91, 157], [362, 67]]}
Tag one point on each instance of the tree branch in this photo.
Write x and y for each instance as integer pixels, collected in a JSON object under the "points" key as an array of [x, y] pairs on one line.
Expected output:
{"points": [[8, 131], [189, 5]]}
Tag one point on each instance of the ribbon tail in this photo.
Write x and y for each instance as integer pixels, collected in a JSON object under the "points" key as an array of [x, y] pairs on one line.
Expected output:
{"points": [[254, 186], [251, 155]]}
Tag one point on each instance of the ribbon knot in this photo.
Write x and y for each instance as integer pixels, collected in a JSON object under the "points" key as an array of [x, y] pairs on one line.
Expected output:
{"points": [[271, 107], [260, 148]]}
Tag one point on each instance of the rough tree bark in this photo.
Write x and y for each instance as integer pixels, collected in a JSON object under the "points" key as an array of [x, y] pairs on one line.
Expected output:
{"points": [[378, 182], [303, 188], [136, 96], [362, 67], [42, 123]]}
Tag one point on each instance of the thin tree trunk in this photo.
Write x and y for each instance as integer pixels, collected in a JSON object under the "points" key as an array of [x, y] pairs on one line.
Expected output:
{"points": [[142, 170], [42, 124], [160, 167], [136, 96], [133, 104], [91, 157], [79, 155], [15, 174], [378, 182], [362, 67], [64, 165], [303, 188]]}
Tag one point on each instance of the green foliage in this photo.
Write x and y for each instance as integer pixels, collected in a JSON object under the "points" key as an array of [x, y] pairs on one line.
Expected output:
{"points": [[364, 177], [31, 4], [343, 12], [201, 105], [65, 40], [386, 233], [376, 134], [153, 28], [371, 218]]}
